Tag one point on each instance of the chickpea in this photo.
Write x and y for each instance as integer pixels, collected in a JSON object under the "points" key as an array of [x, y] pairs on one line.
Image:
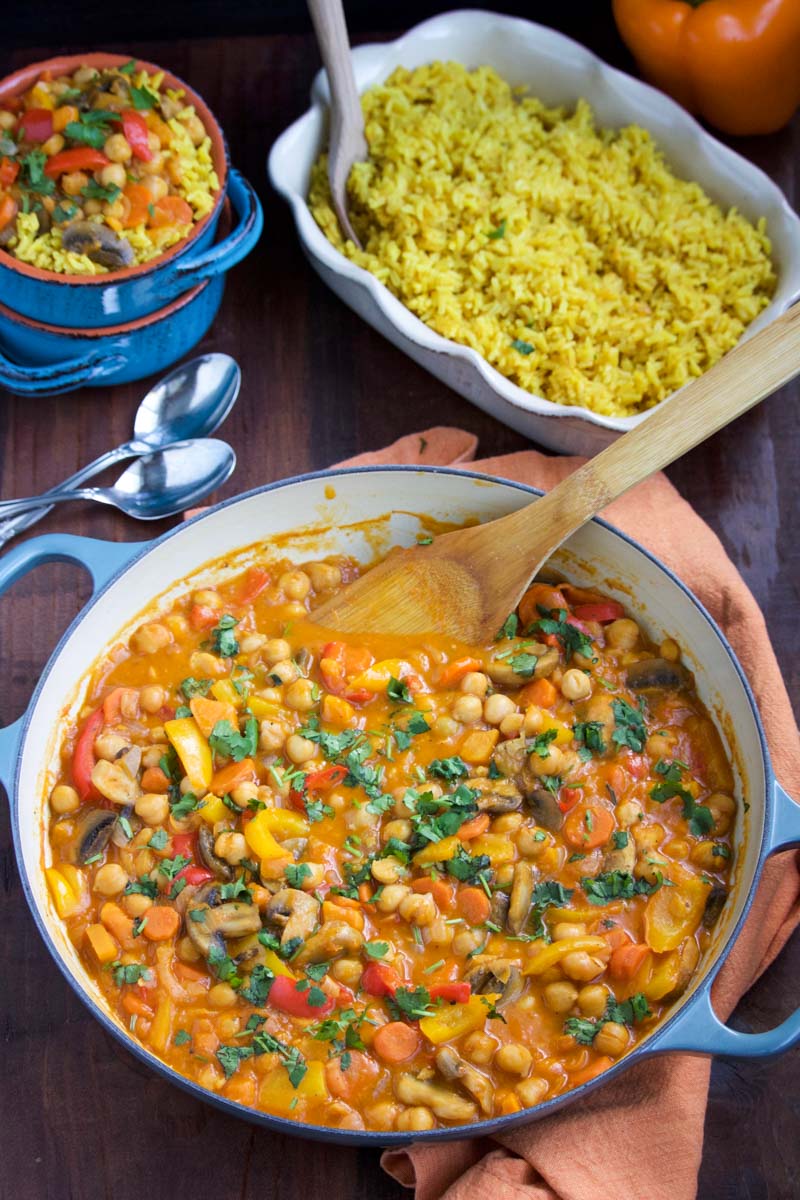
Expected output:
{"points": [[110, 880], [612, 1039], [243, 793], [676, 848], [325, 577], [7, 119], [467, 940], [560, 995], [152, 808], [285, 670], [382, 1115], [507, 823], [622, 634], [300, 749], [705, 855], [221, 995], [64, 799], [647, 869], [648, 837], [276, 650], [496, 707], [84, 75], [475, 683], [203, 663], [295, 585], [629, 812], [113, 176], [151, 698], [581, 966], [348, 971], [723, 809], [532, 1090], [156, 185], [565, 929], [660, 744], [391, 897], [136, 905], [445, 727], [53, 144], [400, 828], [514, 1058], [504, 875], [418, 909], [552, 765], [73, 182], [479, 1048], [415, 1119], [151, 638], [511, 726], [300, 695], [575, 684], [439, 933], [231, 847], [117, 148], [592, 999], [388, 870], [272, 736], [186, 950], [91, 208], [670, 650], [529, 842], [467, 709], [195, 129], [109, 745]]}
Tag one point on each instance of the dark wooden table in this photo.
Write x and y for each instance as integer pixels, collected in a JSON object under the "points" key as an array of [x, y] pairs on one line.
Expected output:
{"points": [[81, 1119]]}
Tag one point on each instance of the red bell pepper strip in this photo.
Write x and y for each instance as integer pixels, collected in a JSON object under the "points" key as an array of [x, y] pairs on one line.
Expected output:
{"points": [[609, 610], [9, 169], [80, 158], [194, 875], [255, 581], [294, 997], [184, 844], [317, 781], [568, 797], [136, 132], [379, 979], [84, 758], [203, 616], [340, 661], [457, 992], [36, 124]]}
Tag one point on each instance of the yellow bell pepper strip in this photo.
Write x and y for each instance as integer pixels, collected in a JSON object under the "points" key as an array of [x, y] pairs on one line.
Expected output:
{"points": [[283, 822], [378, 677], [454, 1020], [224, 691], [734, 62], [552, 954], [103, 946], [192, 749], [276, 964], [259, 838], [336, 711], [674, 913], [498, 846], [213, 809], [265, 710], [162, 1023], [438, 851], [64, 897], [278, 1095]]}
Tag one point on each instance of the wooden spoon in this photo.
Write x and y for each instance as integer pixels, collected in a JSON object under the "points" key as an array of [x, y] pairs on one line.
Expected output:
{"points": [[347, 142], [467, 582]]}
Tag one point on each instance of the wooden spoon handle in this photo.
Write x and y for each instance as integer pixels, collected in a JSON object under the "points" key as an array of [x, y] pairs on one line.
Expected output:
{"points": [[745, 375]]}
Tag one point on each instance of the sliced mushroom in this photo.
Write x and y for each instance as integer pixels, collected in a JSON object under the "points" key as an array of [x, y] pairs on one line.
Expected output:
{"points": [[501, 670], [715, 902], [8, 233], [688, 958], [113, 781], [130, 759], [452, 1066], [653, 673], [498, 910], [442, 1101], [118, 835], [98, 242], [496, 975], [304, 660], [296, 846], [333, 939], [92, 832], [496, 795], [519, 904], [295, 911], [205, 845], [510, 757], [543, 807], [210, 920], [622, 858]]}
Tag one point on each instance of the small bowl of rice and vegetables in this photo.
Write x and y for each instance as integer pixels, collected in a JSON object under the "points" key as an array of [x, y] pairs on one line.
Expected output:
{"points": [[561, 244], [112, 178]]}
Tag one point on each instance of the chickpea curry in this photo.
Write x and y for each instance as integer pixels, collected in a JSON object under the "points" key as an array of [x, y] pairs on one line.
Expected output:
{"points": [[383, 883], [100, 169]]}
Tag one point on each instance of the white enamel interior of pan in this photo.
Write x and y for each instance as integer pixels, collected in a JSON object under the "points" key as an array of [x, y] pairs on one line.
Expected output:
{"points": [[595, 556]]}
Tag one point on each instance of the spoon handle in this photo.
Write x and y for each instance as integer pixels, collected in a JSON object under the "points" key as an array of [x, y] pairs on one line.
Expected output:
{"points": [[347, 141], [13, 525], [745, 375], [10, 508]]}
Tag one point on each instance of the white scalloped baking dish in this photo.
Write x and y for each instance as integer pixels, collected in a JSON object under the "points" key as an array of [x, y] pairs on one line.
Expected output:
{"points": [[559, 71]]}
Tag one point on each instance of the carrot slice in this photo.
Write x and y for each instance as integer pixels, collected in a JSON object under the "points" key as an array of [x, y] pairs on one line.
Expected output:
{"points": [[235, 773], [473, 905], [396, 1041], [154, 780], [441, 892], [452, 673], [208, 712], [540, 692], [136, 1007], [139, 198], [626, 960], [591, 1072], [474, 828], [588, 826], [161, 923], [360, 1074], [539, 593], [171, 210]]}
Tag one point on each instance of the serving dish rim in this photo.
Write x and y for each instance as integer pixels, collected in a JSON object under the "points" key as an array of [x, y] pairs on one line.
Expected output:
{"points": [[326, 1133]]}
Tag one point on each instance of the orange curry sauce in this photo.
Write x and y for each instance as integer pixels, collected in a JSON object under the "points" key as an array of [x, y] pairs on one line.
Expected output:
{"points": [[389, 884]]}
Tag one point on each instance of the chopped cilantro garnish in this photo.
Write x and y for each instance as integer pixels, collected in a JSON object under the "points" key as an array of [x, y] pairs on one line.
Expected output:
{"points": [[574, 641], [629, 727], [466, 867], [508, 629], [616, 885], [195, 687], [223, 642], [699, 816], [159, 839], [296, 873], [540, 745], [521, 346], [448, 768], [143, 98], [590, 733], [129, 973], [376, 949], [398, 691], [230, 742], [499, 232]]}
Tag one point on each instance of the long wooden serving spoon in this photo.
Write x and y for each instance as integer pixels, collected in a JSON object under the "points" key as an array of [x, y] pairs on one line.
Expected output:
{"points": [[467, 582]]}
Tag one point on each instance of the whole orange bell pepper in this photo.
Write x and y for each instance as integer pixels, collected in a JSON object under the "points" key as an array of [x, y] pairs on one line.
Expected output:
{"points": [[734, 62]]}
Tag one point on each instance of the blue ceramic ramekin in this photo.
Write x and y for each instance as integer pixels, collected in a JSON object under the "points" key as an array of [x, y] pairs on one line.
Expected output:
{"points": [[346, 511], [90, 302]]}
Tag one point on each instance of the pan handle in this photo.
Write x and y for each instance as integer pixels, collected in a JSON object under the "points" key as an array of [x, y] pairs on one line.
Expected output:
{"points": [[696, 1028], [101, 559]]}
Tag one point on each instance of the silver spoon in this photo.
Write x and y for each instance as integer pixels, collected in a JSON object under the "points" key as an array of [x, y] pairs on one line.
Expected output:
{"points": [[347, 142], [192, 401], [156, 485]]}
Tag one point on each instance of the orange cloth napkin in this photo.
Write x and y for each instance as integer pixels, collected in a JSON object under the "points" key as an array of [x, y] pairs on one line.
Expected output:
{"points": [[642, 1135]]}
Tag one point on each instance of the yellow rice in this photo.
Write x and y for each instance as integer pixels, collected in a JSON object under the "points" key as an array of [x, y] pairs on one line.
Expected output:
{"points": [[198, 186], [571, 257]]}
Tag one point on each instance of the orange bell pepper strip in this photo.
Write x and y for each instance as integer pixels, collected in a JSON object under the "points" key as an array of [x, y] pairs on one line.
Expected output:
{"points": [[733, 62], [8, 210]]}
